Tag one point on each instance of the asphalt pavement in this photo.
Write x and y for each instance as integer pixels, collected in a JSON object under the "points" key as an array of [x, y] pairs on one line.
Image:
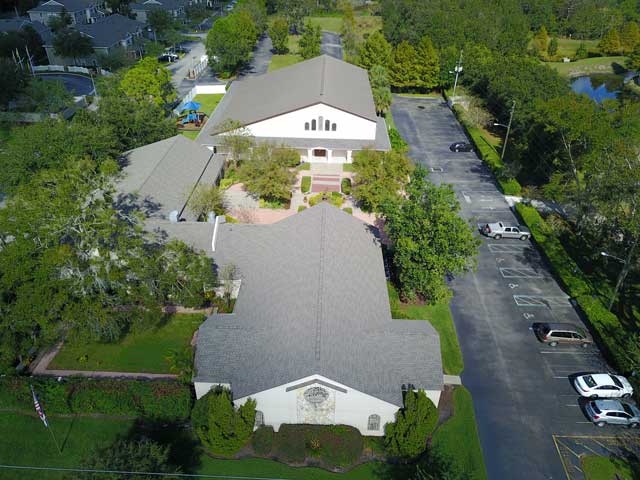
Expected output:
{"points": [[261, 58], [331, 45], [521, 389]]}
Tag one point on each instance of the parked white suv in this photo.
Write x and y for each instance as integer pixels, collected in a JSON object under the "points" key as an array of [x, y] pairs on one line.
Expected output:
{"points": [[507, 230], [603, 385]]}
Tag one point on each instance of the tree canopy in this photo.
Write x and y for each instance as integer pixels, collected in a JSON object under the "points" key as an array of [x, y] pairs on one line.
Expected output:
{"points": [[429, 238], [230, 41], [267, 171], [148, 81], [310, 41]]}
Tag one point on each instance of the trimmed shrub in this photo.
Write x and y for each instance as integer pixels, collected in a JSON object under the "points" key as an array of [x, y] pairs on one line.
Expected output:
{"points": [[301, 208], [289, 444], [345, 186], [335, 198], [397, 142], [349, 210], [263, 441], [160, 400], [407, 436], [340, 445], [605, 326], [509, 186], [305, 185]]}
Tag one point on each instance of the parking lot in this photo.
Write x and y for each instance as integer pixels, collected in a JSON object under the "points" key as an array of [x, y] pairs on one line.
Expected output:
{"points": [[521, 388]]}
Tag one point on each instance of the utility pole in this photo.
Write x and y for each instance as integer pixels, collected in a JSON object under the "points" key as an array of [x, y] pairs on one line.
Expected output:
{"points": [[458, 70], [506, 138]]}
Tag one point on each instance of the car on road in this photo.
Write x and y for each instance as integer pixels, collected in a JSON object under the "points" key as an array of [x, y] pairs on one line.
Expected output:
{"points": [[461, 147], [554, 334], [168, 57], [603, 385], [507, 230], [614, 412]]}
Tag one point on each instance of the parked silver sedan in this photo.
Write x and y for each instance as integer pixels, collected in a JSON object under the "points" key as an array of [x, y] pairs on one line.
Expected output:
{"points": [[614, 412]]}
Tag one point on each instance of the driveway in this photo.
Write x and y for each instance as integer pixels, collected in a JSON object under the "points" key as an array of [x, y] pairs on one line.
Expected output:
{"points": [[76, 84], [261, 58], [521, 391], [331, 44]]}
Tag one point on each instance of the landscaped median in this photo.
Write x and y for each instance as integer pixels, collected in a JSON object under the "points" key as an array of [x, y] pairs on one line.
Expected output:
{"points": [[509, 186], [606, 327]]}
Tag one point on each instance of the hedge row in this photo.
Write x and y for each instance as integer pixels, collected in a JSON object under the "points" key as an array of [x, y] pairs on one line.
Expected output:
{"points": [[509, 186], [157, 400], [606, 326]]}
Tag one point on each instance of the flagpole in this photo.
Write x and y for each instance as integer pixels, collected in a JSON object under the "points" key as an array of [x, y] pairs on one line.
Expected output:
{"points": [[43, 417]]}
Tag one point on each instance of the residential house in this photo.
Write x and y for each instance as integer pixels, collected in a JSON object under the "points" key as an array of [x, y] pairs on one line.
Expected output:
{"points": [[176, 8], [80, 11], [107, 34], [323, 107], [20, 23], [311, 337]]}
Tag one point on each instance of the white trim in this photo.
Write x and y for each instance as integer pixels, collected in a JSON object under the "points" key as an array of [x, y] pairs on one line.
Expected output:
{"points": [[215, 232]]}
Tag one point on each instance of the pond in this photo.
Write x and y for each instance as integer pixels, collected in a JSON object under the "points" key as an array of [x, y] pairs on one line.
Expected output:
{"points": [[599, 87]]}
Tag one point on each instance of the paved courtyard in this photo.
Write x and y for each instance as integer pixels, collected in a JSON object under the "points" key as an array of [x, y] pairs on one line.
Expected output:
{"points": [[521, 389]]}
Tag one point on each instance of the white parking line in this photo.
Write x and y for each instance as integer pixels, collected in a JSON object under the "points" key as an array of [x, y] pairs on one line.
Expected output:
{"points": [[519, 273], [541, 301], [565, 376]]}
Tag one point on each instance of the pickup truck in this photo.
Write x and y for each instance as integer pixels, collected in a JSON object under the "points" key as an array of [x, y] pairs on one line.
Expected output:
{"points": [[504, 230]]}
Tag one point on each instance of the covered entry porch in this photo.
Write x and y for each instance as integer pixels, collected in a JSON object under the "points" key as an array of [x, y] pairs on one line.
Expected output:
{"points": [[325, 155]]}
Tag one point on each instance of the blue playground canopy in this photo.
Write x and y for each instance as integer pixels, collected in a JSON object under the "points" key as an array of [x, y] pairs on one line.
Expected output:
{"points": [[190, 106]]}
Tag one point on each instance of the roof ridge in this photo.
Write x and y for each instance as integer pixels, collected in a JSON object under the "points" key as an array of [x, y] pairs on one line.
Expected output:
{"points": [[319, 304], [323, 74]]}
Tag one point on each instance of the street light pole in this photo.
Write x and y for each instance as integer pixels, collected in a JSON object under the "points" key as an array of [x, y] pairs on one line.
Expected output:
{"points": [[457, 69], [506, 138]]}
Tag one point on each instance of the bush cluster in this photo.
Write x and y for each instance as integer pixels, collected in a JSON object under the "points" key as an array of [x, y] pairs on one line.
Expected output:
{"points": [[334, 445], [335, 198], [263, 441], [158, 400], [397, 142], [509, 186], [345, 186], [606, 327]]}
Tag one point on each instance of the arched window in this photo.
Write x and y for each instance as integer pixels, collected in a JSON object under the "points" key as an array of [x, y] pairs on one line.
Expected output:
{"points": [[259, 421], [326, 125], [313, 124], [333, 127], [320, 123], [306, 125], [372, 424]]}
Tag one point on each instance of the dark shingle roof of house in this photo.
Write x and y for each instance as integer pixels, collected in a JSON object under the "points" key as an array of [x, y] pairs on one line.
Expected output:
{"points": [[155, 4], [322, 79], [164, 173], [58, 5], [108, 31], [15, 24], [313, 300]]}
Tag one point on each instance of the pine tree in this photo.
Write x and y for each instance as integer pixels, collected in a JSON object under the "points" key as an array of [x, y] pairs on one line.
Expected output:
{"points": [[610, 43], [428, 65], [541, 39], [552, 49], [633, 63], [630, 37], [581, 52], [375, 51], [310, 41], [404, 72], [279, 33]]}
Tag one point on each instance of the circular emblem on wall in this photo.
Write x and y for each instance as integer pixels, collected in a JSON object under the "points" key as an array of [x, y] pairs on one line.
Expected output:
{"points": [[316, 395]]}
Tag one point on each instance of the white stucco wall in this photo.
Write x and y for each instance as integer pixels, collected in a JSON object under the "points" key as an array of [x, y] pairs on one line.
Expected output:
{"points": [[352, 407], [291, 125]]}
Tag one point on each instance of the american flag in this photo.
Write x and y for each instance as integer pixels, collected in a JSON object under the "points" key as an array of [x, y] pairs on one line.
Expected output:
{"points": [[39, 409]]}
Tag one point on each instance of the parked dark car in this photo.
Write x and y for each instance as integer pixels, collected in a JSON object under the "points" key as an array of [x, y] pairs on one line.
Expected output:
{"points": [[461, 147]]}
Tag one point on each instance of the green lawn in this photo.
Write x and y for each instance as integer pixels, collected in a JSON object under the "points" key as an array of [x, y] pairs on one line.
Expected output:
{"points": [[567, 47], [589, 65], [347, 167], [209, 102], [458, 440], [330, 24], [281, 61], [439, 316], [25, 441], [605, 468], [137, 352], [191, 134], [5, 133]]}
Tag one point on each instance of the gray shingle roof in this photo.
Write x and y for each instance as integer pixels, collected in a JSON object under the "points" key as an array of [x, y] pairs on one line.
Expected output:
{"points": [[164, 173], [159, 4], [313, 301], [15, 24], [108, 31], [57, 5], [322, 79]]}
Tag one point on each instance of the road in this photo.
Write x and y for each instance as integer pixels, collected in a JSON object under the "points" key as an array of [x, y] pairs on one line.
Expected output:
{"points": [[521, 390], [261, 58], [331, 45], [76, 84]]}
